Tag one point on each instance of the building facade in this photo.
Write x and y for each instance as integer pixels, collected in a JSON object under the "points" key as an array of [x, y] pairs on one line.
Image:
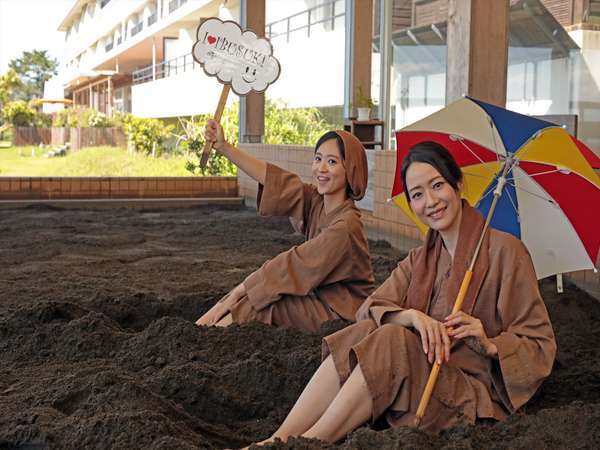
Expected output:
{"points": [[135, 56]]}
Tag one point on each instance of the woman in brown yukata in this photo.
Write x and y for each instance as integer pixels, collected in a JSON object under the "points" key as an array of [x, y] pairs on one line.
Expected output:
{"points": [[327, 277], [496, 351]]}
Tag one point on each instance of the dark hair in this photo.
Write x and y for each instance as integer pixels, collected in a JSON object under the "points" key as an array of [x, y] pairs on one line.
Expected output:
{"points": [[435, 155], [332, 135]]}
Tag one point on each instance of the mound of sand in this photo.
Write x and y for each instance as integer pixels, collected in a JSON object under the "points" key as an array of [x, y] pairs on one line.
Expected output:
{"points": [[98, 348]]}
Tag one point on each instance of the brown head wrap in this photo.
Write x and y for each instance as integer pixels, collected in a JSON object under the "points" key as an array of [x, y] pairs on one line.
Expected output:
{"points": [[355, 160]]}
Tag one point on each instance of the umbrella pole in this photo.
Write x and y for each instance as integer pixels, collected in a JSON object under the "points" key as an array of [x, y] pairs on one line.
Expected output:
{"points": [[218, 113], [435, 369]]}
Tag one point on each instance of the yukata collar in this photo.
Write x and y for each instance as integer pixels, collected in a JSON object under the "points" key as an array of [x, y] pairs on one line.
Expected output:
{"points": [[424, 272]]}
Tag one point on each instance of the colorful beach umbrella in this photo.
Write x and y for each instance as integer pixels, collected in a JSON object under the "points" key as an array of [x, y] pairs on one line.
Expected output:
{"points": [[551, 200]]}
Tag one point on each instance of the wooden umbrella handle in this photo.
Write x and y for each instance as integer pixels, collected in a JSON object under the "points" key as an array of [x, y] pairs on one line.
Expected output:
{"points": [[435, 370], [218, 113]]}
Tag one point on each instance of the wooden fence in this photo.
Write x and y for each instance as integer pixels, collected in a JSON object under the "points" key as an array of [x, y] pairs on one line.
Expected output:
{"points": [[32, 136], [60, 135], [77, 137], [94, 137]]}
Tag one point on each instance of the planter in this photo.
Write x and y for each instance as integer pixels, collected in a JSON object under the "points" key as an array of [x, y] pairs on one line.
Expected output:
{"points": [[364, 114]]}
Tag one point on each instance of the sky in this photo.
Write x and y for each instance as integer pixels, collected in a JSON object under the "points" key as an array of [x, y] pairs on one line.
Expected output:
{"points": [[31, 25]]}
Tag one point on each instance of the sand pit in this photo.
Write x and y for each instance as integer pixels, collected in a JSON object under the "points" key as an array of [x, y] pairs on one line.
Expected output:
{"points": [[98, 348]]}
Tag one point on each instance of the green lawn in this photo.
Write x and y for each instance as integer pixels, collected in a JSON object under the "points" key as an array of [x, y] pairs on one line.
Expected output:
{"points": [[88, 162]]}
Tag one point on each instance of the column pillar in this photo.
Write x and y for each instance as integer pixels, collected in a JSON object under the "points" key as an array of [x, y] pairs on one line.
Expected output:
{"points": [[109, 102], [252, 106], [153, 58], [361, 38], [477, 50]]}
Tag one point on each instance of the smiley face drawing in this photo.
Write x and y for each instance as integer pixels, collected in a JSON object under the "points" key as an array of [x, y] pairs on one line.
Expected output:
{"points": [[249, 75]]}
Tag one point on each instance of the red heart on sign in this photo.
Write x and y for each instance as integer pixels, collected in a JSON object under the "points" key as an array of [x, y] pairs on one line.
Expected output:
{"points": [[212, 40]]}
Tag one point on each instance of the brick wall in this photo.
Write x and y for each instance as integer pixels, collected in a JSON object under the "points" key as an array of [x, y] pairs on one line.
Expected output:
{"points": [[52, 188]]}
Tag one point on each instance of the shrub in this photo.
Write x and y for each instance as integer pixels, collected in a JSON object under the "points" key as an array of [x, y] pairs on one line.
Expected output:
{"points": [[302, 126], [98, 120], [18, 113], [65, 118], [81, 118], [283, 125], [144, 134], [42, 120], [192, 141]]}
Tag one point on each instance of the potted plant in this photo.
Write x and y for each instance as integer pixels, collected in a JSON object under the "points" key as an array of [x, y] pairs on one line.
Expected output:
{"points": [[363, 105]]}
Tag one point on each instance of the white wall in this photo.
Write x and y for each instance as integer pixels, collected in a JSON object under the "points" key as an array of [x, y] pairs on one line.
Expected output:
{"points": [[185, 94], [312, 69], [586, 79], [53, 90], [312, 74]]}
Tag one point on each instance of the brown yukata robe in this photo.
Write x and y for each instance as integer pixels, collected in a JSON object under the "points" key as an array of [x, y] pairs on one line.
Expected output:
{"points": [[327, 277], [503, 294]]}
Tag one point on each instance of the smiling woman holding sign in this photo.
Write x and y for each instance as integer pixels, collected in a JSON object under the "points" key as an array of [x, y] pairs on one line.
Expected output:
{"points": [[329, 275]]}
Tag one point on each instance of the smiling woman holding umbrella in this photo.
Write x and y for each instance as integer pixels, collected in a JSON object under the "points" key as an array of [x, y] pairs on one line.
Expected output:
{"points": [[496, 351]]}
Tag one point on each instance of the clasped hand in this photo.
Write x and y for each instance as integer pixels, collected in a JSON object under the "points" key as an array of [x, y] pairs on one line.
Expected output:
{"points": [[436, 336]]}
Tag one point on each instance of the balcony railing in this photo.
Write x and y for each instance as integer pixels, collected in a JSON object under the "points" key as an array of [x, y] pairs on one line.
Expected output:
{"points": [[186, 62], [137, 28], [152, 18], [333, 10], [181, 64], [174, 4]]}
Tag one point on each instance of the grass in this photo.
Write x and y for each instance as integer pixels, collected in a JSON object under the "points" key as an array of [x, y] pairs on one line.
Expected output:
{"points": [[88, 162]]}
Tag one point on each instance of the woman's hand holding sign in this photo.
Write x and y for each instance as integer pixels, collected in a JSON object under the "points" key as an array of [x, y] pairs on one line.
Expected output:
{"points": [[255, 168], [213, 132]]}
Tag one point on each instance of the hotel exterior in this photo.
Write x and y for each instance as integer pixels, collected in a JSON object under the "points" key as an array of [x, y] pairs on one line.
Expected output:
{"points": [[135, 56]]}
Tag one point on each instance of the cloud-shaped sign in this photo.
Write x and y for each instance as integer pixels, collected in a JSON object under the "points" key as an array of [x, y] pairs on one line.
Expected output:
{"points": [[236, 57]]}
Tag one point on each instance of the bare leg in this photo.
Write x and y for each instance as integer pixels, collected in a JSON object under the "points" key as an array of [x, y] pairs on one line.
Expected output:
{"points": [[312, 403], [225, 321], [351, 408]]}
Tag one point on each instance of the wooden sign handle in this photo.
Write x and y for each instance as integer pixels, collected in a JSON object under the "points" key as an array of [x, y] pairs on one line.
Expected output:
{"points": [[218, 113]]}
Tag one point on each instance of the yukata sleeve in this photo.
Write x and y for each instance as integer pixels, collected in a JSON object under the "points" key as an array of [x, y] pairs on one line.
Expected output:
{"points": [[391, 295], [284, 194], [526, 347], [322, 260]]}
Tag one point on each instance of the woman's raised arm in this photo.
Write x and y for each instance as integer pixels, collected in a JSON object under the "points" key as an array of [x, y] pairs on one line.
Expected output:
{"points": [[255, 168]]}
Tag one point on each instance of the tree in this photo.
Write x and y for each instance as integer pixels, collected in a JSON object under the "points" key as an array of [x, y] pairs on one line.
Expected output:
{"points": [[9, 83], [18, 113], [34, 69]]}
